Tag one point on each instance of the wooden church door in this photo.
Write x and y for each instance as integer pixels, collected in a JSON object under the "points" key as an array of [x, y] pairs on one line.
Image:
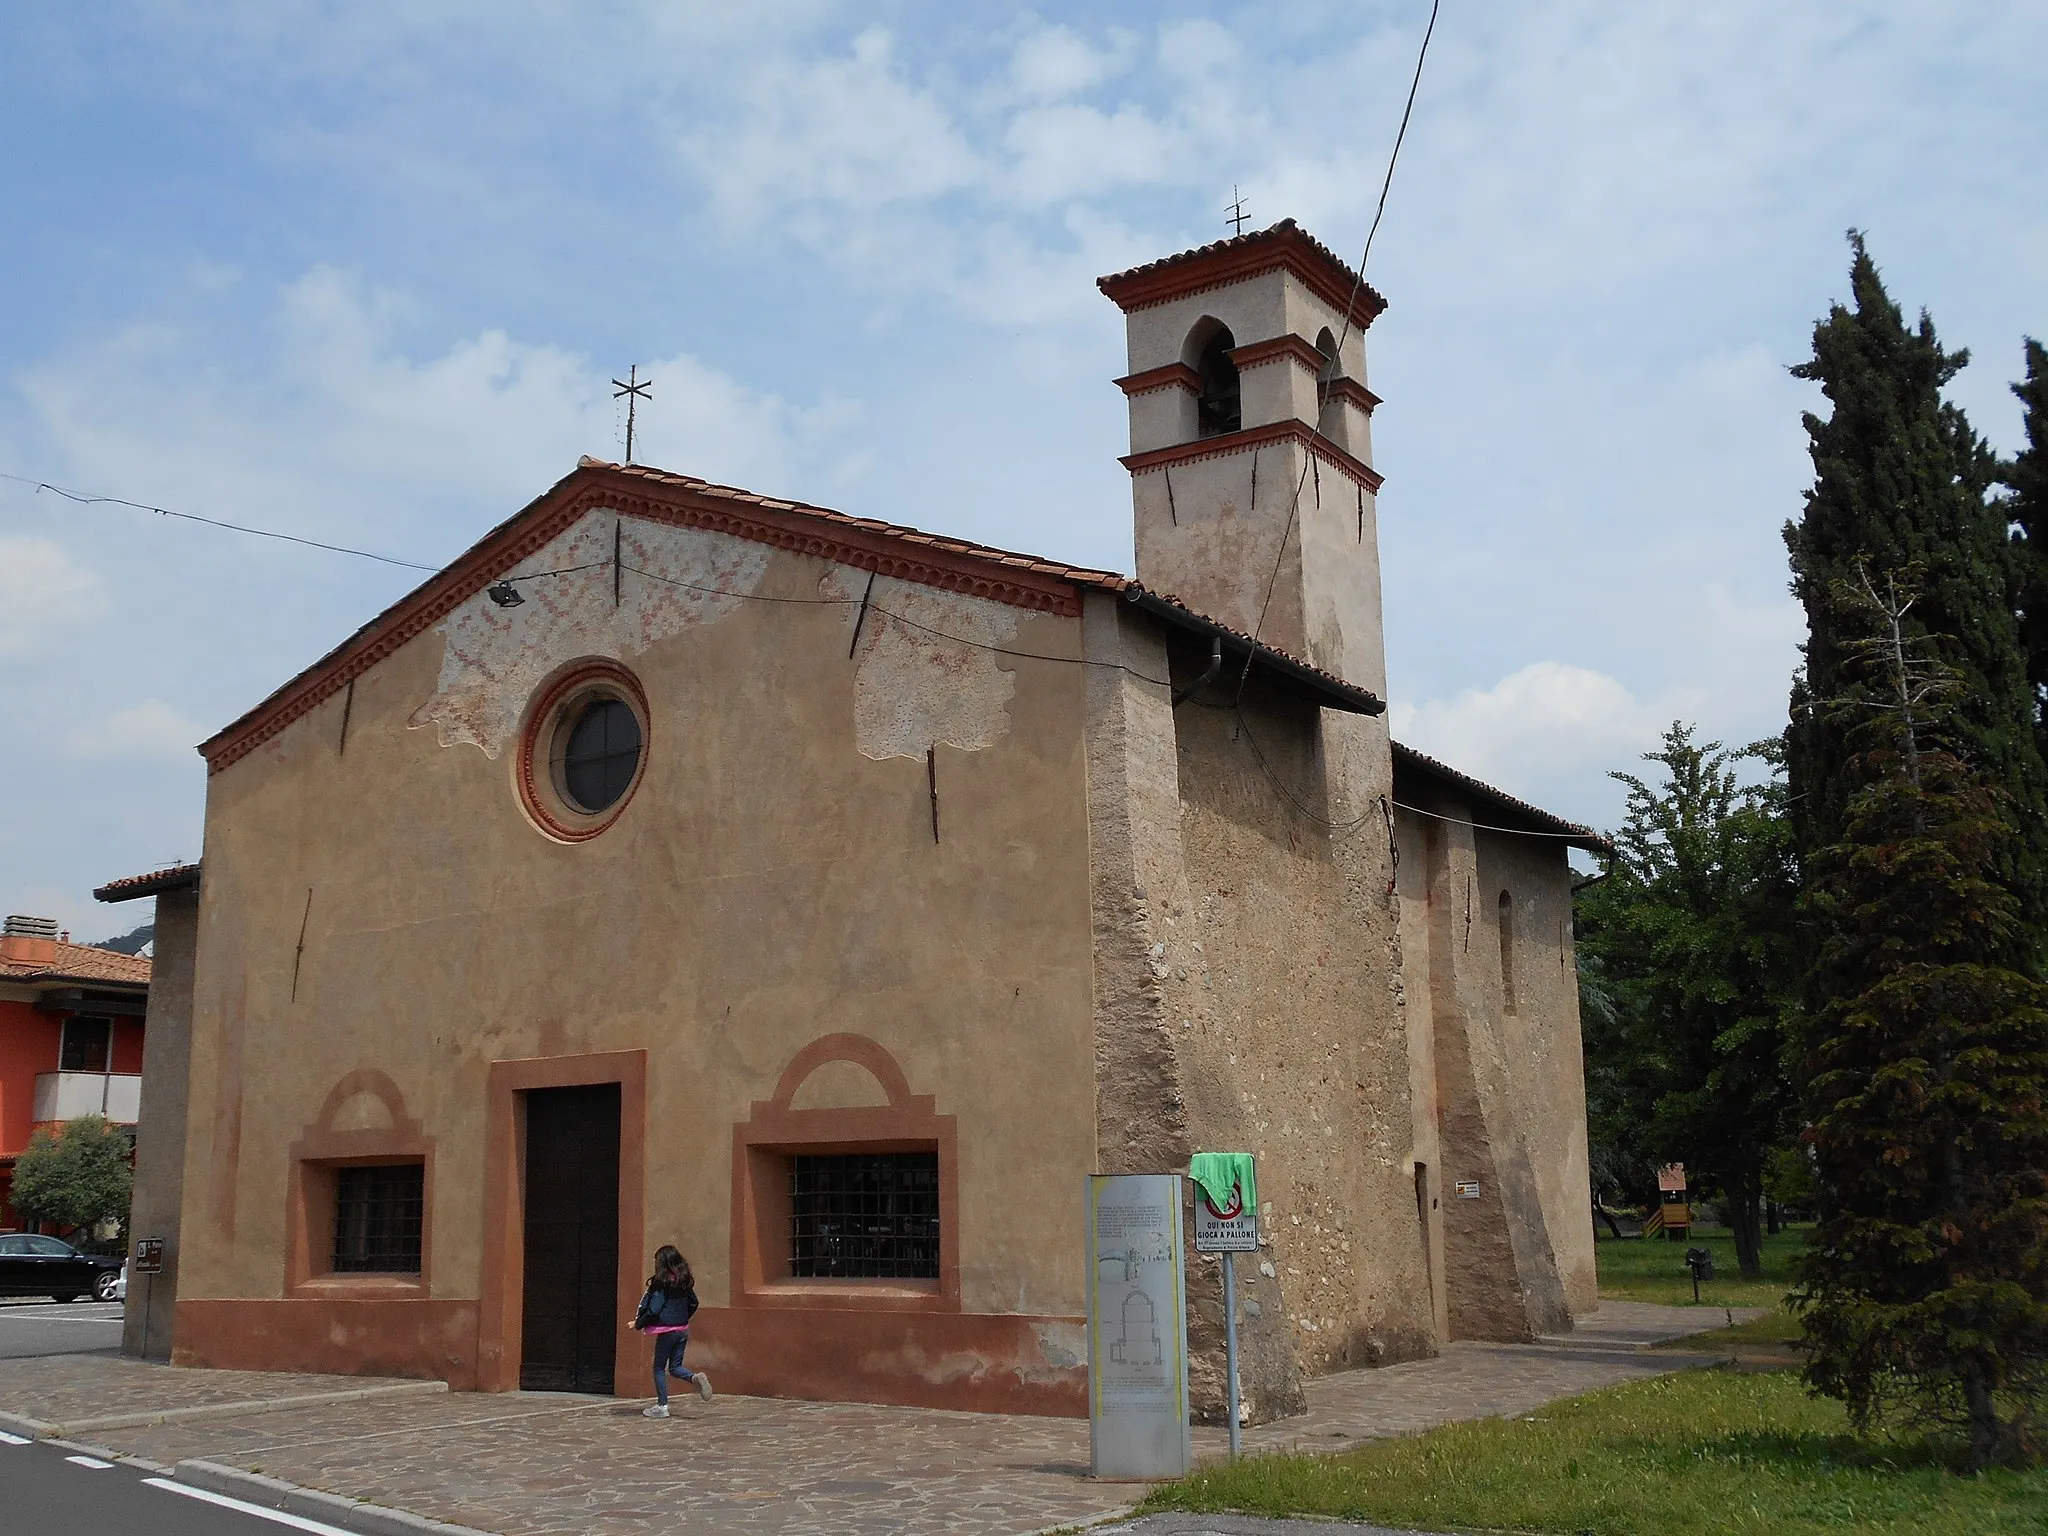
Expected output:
{"points": [[570, 1326]]}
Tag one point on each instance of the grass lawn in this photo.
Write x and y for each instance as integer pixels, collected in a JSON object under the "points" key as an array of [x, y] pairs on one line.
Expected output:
{"points": [[1699, 1453], [1653, 1269]]}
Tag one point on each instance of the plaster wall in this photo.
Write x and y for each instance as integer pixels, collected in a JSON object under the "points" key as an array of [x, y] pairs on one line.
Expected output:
{"points": [[774, 880], [1502, 1275], [1541, 1034], [150, 1315], [29, 1043], [1281, 969], [1426, 1162], [1218, 537]]}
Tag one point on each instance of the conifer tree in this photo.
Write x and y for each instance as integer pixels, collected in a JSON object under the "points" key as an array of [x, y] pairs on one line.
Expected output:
{"points": [[2027, 476], [1924, 1287], [1901, 480]]}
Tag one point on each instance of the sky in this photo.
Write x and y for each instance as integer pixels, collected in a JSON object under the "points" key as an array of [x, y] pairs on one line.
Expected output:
{"points": [[363, 274]]}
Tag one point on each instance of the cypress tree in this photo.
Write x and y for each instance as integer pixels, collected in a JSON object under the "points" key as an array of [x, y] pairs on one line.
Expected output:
{"points": [[1902, 481], [2027, 476], [1924, 1293]]}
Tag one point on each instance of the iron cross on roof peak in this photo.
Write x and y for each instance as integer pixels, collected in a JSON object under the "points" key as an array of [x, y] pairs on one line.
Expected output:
{"points": [[1233, 212], [634, 389]]}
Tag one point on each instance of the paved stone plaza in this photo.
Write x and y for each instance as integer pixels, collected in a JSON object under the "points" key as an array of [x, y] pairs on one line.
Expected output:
{"points": [[526, 1464]]}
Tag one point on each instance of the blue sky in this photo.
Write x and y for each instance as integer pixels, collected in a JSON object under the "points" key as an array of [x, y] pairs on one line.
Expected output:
{"points": [[362, 273]]}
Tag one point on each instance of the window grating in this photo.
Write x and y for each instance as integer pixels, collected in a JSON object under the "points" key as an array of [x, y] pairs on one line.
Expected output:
{"points": [[377, 1214], [868, 1216], [600, 755]]}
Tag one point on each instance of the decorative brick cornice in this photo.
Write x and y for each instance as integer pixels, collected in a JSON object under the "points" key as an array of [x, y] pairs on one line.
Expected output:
{"points": [[1166, 376], [1351, 392], [1245, 441], [952, 565], [1285, 246], [1289, 346]]}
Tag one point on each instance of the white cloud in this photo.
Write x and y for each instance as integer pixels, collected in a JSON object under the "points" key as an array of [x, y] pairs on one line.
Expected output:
{"points": [[42, 591], [340, 433], [1542, 732], [850, 131], [1057, 62], [149, 729]]}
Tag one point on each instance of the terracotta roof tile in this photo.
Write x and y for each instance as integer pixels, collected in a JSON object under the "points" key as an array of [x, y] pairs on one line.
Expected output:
{"points": [[55, 960], [1570, 832], [1225, 261], [134, 887]]}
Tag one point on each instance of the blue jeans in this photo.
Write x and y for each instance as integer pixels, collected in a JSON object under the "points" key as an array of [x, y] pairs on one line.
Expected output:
{"points": [[668, 1361]]}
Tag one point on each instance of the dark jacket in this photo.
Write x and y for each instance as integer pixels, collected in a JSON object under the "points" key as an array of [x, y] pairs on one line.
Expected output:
{"points": [[666, 1307]]}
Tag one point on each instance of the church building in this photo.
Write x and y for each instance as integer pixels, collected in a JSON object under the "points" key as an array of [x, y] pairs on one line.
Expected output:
{"points": [[828, 898]]}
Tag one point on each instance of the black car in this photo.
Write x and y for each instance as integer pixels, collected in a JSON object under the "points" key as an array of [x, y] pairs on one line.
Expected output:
{"points": [[33, 1265]]}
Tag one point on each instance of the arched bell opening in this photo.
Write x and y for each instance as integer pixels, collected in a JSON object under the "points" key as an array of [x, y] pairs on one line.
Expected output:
{"points": [[1218, 403]]}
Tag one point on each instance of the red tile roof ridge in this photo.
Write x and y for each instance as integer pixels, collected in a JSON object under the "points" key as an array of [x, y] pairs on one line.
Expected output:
{"points": [[1594, 841], [131, 887], [79, 962], [1285, 233]]}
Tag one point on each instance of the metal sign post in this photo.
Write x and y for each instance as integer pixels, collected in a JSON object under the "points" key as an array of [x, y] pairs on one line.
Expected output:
{"points": [[149, 1263], [1231, 1230]]}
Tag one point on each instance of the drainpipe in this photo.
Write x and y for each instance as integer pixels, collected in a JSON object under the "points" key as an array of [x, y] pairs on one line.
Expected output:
{"points": [[1182, 695]]}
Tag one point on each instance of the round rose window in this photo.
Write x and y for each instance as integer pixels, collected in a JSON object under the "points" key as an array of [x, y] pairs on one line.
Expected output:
{"points": [[584, 750]]}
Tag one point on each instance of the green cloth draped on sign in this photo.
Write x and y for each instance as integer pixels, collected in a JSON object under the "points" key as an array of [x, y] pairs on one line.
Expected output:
{"points": [[1226, 1181]]}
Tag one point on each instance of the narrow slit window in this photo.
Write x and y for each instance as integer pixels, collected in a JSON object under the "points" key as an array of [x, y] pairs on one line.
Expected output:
{"points": [[865, 1216], [378, 1212], [1507, 953]]}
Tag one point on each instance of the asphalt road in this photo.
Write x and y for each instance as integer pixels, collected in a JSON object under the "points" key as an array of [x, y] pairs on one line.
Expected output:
{"points": [[48, 1488], [59, 1328]]}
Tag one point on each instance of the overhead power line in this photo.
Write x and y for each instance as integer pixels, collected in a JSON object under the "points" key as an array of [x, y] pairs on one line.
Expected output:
{"points": [[88, 499]]}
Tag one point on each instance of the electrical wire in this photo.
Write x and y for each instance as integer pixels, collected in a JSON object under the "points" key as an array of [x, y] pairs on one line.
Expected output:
{"points": [[1357, 282], [880, 611], [1481, 826], [84, 498]]}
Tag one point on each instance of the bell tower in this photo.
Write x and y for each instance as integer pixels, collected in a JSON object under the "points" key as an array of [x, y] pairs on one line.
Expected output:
{"points": [[1251, 444]]}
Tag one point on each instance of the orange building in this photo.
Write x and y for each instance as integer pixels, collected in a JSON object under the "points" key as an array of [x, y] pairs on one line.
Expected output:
{"points": [[70, 1037]]}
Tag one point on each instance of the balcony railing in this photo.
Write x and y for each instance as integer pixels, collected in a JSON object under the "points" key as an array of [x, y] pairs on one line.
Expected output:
{"points": [[67, 1095]]}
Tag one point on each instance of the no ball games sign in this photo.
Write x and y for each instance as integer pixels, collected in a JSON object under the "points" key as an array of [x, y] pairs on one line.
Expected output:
{"points": [[1231, 1226]]}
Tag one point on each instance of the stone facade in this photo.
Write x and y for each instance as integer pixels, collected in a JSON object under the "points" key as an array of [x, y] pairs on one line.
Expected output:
{"points": [[928, 847]]}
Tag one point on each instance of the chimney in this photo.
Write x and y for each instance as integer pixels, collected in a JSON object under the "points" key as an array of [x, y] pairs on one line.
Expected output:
{"points": [[29, 940]]}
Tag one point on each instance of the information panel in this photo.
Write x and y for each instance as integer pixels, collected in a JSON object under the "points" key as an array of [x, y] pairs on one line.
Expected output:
{"points": [[1137, 1328]]}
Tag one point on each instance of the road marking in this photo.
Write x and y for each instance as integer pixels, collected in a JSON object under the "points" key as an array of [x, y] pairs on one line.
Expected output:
{"points": [[89, 1461], [76, 1320], [7, 1439], [296, 1522]]}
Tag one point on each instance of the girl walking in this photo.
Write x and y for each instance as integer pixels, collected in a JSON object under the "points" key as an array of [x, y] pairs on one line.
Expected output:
{"points": [[665, 1312]]}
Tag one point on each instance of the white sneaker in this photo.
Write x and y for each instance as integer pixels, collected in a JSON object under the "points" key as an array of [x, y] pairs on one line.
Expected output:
{"points": [[704, 1386], [658, 1411]]}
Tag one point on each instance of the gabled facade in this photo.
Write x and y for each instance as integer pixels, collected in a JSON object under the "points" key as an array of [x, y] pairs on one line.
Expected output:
{"points": [[828, 898]]}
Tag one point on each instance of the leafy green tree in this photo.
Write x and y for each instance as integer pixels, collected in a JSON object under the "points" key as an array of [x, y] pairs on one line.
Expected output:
{"points": [[1689, 940], [1901, 480], [1924, 1287], [77, 1177], [2027, 507]]}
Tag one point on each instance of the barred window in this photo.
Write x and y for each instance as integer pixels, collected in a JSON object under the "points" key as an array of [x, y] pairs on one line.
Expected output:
{"points": [[377, 1215], [868, 1216]]}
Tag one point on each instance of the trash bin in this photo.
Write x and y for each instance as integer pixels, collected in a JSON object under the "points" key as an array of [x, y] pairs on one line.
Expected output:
{"points": [[1701, 1262]]}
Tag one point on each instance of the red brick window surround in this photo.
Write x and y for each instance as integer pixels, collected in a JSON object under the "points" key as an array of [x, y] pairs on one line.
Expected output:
{"points": [[558, 719], [363, 1125], [766, 1149]]}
